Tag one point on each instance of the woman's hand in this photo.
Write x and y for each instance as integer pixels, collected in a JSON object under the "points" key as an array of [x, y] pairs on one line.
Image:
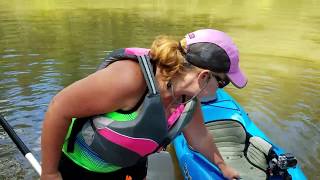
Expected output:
{"points": [[201, 140], [228, 172], [51, 176]]}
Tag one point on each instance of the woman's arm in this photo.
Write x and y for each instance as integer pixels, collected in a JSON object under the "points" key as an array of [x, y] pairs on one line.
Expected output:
{"points": [[201, 140], [117, 87]]}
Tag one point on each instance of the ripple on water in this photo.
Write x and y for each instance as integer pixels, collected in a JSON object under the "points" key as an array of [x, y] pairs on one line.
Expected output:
{"points": [[10, 73], [9, 50], [33, 55], [4, 101], [50, 62], [3, 82], [9, 110], [11, 56]]}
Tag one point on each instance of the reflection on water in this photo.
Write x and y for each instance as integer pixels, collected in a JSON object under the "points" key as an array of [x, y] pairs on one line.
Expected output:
{"points": [[46, 45]]}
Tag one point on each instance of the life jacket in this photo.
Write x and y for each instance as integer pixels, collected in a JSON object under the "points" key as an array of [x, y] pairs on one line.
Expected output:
{"points": [[124, 143]]}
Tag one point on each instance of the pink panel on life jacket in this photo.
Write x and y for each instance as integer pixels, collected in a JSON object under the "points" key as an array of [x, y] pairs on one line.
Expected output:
{"points": [[136, 51], [141, 146], [175, 115]]}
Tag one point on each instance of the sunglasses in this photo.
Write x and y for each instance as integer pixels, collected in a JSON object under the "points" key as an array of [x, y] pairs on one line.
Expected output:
{"points": [[221, 82]]}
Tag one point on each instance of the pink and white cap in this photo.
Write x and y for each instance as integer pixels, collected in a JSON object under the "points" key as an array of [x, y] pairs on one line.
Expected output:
{"points": [[225, 43]]}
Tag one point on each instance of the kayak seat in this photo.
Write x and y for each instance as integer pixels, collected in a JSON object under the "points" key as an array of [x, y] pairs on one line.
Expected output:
{"points": [[244, 153]]}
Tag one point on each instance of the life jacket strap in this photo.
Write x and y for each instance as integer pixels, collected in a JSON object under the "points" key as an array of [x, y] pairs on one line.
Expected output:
{"points": [[76, 128], [146, 67]]}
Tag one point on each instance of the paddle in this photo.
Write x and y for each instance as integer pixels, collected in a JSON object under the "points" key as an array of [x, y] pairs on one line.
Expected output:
{"points": [[21, 146]]}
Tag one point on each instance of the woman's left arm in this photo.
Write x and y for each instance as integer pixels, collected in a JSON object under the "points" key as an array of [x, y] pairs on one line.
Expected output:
{"points": [[201, 140]]}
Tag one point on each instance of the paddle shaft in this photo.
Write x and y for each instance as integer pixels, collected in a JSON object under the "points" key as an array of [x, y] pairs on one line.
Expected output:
{"points": [[21, 146]]}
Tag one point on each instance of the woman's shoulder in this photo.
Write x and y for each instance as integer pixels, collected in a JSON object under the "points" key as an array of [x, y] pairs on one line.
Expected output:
{"points": [[127, 71], [126, 74], [129, 80]]}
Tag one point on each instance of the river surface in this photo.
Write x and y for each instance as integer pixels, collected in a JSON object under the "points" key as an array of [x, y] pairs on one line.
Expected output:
{"points": [[46, 45]]}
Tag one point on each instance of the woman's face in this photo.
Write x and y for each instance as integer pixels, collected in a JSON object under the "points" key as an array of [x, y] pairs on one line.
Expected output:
{"points": [[199, 83], [208, 87]]}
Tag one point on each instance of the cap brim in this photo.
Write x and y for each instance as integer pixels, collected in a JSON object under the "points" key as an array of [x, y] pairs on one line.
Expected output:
{"points": [[237, 78]]}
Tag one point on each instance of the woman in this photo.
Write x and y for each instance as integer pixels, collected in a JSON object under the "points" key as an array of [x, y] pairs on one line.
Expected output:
{"points": [[194, 68]]}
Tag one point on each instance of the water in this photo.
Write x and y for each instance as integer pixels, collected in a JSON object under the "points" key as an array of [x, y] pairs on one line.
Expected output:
{"points": [[45, 45]]}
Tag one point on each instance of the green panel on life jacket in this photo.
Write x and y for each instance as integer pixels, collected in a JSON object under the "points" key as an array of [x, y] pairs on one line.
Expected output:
{"points": [[84, 158], [121, 117]]}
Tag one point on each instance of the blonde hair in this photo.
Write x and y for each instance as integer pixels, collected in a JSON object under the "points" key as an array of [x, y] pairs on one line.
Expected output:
{"points": [[165, 52]]}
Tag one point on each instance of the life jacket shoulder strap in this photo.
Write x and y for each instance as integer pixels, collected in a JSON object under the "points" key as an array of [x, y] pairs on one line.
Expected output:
{"points": [[146, 67]]}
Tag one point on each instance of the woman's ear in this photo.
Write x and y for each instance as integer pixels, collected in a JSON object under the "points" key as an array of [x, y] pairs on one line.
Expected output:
{"points": [[203, 77]]}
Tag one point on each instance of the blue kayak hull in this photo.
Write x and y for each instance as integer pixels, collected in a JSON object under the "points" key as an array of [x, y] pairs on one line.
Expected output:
{"points": [[195, 166]]}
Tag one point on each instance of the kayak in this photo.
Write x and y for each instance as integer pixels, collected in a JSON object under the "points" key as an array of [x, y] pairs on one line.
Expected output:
{"points": [[241, 143]]}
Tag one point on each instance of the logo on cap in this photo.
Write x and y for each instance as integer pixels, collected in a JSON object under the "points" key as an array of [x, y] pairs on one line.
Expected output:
{"points": [[191, 35]]}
